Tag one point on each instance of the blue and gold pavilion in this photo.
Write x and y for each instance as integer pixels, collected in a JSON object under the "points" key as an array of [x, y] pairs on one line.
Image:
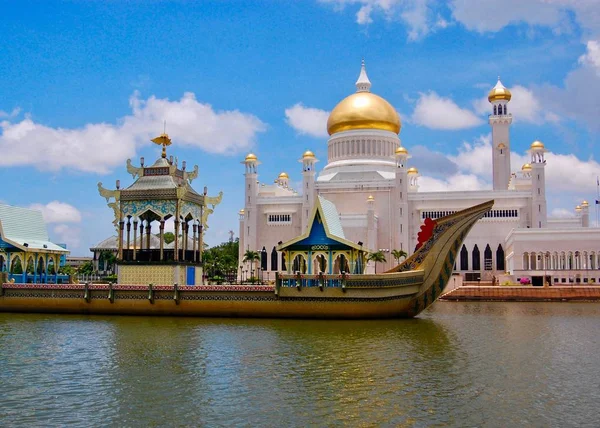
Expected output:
{"points": [[161, 191], [323, 248]]}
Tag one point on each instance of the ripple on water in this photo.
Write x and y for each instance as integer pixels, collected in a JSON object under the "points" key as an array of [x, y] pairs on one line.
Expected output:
{"points": [[497, 364]]}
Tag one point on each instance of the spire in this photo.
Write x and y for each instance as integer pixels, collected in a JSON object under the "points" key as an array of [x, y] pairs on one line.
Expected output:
{"points": [[363, 84]]}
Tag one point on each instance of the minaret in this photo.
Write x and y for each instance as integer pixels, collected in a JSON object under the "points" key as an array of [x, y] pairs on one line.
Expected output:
{"points": [[308, 161], [242, 236], [538, 186], [250, 214], [500, 121], [400, 218]]}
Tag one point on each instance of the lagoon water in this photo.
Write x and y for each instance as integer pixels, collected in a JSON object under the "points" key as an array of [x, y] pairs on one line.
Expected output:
{"points": [[458, 364]]}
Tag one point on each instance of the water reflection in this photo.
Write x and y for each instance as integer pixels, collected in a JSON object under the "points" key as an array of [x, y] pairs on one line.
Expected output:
{"points": [[459, 364]]}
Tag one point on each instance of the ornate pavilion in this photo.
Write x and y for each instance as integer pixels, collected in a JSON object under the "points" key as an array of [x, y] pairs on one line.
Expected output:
{"points": [[26, 253], [160, 192], [323, 248]]}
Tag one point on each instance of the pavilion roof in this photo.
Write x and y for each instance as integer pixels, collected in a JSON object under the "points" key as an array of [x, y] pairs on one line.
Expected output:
{"points": [[324, 227], [25, 229]]}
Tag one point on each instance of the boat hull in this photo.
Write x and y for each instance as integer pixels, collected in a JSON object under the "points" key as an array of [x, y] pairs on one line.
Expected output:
{"points": [[255, 302]]}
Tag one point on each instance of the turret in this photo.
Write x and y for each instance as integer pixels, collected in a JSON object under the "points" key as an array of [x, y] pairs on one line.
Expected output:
{"points": [[585, 214], [500, 121], [308, 161], [538, 185], [413, 179]]}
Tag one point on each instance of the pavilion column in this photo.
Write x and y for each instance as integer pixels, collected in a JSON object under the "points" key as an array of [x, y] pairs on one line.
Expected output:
{"points": [[176, 240], [194, 230], [201, 239], [120, 243], [184, 233], [141, 234], [35, 263], [128, 234], [46, 271], [148, 233], [161, 229], [135, 224]]}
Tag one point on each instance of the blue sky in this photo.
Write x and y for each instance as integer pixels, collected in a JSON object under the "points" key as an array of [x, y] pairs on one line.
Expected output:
{"points": [[85, 85]]}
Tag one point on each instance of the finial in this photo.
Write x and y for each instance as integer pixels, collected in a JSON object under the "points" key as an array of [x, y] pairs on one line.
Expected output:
{"points": [[164, 140], [363, 84], [498, 78]]}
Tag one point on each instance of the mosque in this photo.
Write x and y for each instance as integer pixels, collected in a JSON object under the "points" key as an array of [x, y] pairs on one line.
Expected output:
{"points": [[370, 183]]}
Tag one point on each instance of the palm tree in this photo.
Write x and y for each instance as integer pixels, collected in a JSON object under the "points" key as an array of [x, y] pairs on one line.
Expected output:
{"points": [[398, 254], [251, 256], [377, 257]]}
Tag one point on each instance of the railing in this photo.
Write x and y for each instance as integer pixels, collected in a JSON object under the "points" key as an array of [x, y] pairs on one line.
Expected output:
{"points": [[304, 280]]}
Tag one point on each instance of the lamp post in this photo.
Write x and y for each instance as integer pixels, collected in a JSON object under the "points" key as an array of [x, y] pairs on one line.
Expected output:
{"points": [[241, 274]]}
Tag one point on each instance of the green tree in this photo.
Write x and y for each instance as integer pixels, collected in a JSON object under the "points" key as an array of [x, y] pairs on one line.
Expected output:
{"points": [[377, 257], [168, 237], [222, 260], [87, 268], [399, 254], [66, 270], [251, 256], [109, 258]]}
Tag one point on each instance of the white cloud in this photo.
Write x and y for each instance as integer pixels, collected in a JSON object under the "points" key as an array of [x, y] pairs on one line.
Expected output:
{"points": [[437, 112], [562, 213], [14, 113], [457, 182], [592, 55], [489, 16], [417, 15], [307, 120], [98, 147], [67, 234], [58, 212]]}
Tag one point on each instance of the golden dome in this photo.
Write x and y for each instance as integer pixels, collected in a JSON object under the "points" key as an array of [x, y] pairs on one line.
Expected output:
{"points": [[283, 175], [499, 93], [308, 154], [526, 167], [537, 144], [577, 208], [242, 211], [370, 198], [363, 110], [585, 204], [401, 151], [412, 170], [251, 157]]}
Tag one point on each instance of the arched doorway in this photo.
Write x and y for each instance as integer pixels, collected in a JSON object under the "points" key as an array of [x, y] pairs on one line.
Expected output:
{"points": [[299, 264], [319, 264]]}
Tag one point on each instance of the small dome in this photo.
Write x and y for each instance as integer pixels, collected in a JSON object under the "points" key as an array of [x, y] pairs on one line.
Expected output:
{"points": [[370, 198], [283, 176], [537, 144], [412, 170], [308, 154], [526, 167], [499, 93], [585, 204], [401, 151], [501, 146], [578, 208], [251, 157], [242, 211]]}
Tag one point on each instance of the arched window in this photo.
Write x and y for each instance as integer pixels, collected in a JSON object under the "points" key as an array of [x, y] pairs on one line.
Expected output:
{"points": [[274, 259], [495, 112], [487, 258], [504, 108], [476, 258], [464, 258], [500, 258], [263, 258]]}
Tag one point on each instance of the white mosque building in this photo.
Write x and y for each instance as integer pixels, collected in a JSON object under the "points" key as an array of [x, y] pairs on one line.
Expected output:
{"points": [[369, 180]]}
